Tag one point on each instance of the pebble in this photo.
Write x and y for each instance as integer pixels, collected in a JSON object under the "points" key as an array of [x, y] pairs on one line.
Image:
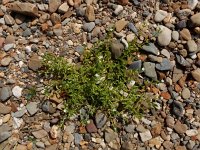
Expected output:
{"points": [[175, 35], [130, 128], [145, 136], [63, 8], [8, 47], [118, 10], [185, 93], [40, 144], [164, 65], [136, 65], [77, 138], [191, 132], [4, 109], [17, 91], [192, 46], [149, 70], [177, 109], [192, 4], [88, 27], [39, 134], [180, 128], [151, 48], [132, 27], [91, 128], [120, 25], [32, 108], [34, 63], [164, 38], [89, 13], [185, 34], [53, 5], [100, 120], [196, 74], [4, 136], [5, 93], [110, 135], [160, 15], [6, 61]]}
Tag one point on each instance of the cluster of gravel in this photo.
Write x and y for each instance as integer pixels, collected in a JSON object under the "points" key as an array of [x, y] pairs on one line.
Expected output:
{"points": [[30, 28]]}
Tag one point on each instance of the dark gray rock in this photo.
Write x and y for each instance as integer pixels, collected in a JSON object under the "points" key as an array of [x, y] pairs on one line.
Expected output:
{"points": [[181, 60], [133, 28], [26, 33], [77, 138], [177, 109], [136, 65]]}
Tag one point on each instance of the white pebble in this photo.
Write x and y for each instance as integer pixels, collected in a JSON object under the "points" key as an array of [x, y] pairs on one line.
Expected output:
{"points": [[17, 91]]}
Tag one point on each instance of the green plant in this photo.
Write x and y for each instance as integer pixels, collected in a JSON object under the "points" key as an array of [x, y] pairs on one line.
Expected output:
{"points": [[30, 93], [98, 83]]}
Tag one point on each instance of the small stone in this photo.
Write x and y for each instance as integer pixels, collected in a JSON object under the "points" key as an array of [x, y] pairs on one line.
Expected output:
{"points": [[110, 135], [4, 136], [79, 49], [63, 8], [130, 37], [180, 148], [182, 61], [5, 93], [53, 5], [156, 142], [40, 144], [21, 147], [27, 33], [120, 25], [117, 48], [191, 132], [192, 46], [32, 108], [145, 136], [89, 13], [180, 128], [196, 74], [164, 65], [52, 147], [149, 70], [34, 63], [185, 34], [129, 128], [151, 48], [6, 61], [118, 10], [19, 113], [78, 138], [9, 20], [88, 27], [132, 27], [196, 19], [55, 18], [160, 15], [40, 134], [48, 107], [175, 35], [123, 2], [8, 47], [100, 120], [165, 53], [183, 13], [185, 93], [192, 4], [136, 65], [168, 145], [54, 132], [170, 121], [91, 128], [164, 38], [4, 109], [17, 91], [177, 109], [165, 95]]}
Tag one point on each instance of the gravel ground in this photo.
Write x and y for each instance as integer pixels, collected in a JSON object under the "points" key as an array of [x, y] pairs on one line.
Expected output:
{"points": [[30, 28]]}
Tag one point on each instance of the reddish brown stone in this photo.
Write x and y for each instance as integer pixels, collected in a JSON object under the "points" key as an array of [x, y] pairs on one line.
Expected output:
{"points": [[91, 128], [177, 88], [123, 2], [165, 95]]}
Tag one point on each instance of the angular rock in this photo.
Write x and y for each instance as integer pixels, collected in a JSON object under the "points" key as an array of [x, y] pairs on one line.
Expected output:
{"points": [[149, 70], [164, 38], [24, 8], [192, 4], [145, 136], [120, 25], [78, 138], [177, 109], [9, 20], [63, 8], [53, 5], [91, 128], [32, 108], [55, 18], [165, 65], [110, 135], [88, 27], [136, 65], [151, 48]]}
